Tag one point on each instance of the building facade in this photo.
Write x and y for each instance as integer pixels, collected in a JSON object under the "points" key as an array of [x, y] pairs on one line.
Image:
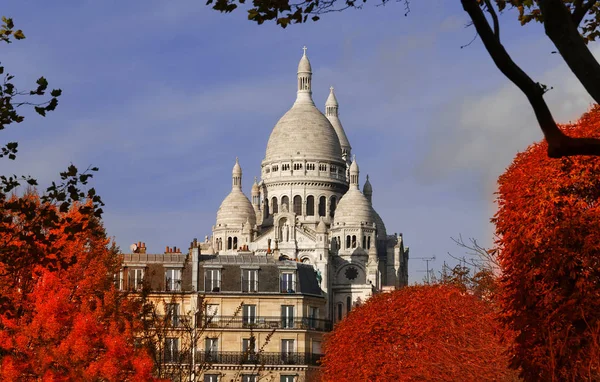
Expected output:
{"points": [[252, 301]]}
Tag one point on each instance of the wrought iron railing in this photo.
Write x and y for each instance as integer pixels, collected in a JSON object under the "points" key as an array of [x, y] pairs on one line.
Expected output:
{"points": [[258, 358], [265, 322]]}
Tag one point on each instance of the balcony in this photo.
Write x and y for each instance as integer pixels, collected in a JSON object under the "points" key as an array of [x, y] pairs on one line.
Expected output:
{"points": [[262, 322], [263, 358]]}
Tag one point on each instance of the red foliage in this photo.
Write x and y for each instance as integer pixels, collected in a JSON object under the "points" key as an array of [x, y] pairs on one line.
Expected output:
{"points": [[69, 322], [418, 333], [549, 230]]}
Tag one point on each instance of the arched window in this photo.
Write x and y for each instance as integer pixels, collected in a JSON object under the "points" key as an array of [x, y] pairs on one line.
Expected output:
{"points": [[348, 304], [298, 205], [364, 242], [234, 242], [229, 242], [322, 205], [339, 311], [266, 207], [369, 242], [274, 205], [332, 205], [310, 206], [353, 241], [347, 241], [285, 203]]}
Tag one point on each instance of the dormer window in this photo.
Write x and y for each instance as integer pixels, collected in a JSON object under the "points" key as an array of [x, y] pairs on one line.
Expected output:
{"points": [[173, 280], [287, 282], [212, 280]]}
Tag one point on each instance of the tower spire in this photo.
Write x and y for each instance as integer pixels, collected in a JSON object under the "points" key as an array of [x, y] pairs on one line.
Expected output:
{"points": [[331, 106], [304, 94], [354, 173], [236, 176]]}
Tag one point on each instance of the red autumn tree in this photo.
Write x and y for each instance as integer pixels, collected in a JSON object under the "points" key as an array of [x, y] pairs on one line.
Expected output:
{"points": [[67, 319], [418, 333], [548, 223]]}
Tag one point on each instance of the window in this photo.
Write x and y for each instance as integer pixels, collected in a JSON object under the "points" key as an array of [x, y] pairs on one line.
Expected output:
{"points": [[212, 311], [172, 311], [249, 345], [286, 378], [229, 243], [322, 205], [248, 315], [287, 350], [288, 284], [313, 315], [235, 243], [364, 242], [332, 205], [136, 278], [297, 166], [248, 378], [322, 167], [287, 316], [274, 205], [275, 168], [353, 241], [310, 206], [285, 167], [347, 241], [212, 280], [171, 350], [368, 242], [285, 204], [267, 170], [211, 378], [310, 166], [173, 280], [211, 348], [249, 280], [348, 304], [339, 311], [298, 205], [332, 169]]}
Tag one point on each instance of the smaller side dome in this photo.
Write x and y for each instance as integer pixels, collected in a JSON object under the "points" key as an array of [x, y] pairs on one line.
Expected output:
{"points": [[255, 189], [236, 210], [354, 209]]}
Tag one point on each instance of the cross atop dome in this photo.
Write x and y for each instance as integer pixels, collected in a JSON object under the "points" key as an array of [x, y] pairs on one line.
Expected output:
{"points": [[304, 49]]}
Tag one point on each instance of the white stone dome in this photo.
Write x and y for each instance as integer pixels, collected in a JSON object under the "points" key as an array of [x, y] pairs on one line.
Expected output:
{"points": [[235, 210], [304, 132], [354, 209]]}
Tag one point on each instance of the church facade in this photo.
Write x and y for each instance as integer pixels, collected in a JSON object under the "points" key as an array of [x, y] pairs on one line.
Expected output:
{"points": [[308, 207]]}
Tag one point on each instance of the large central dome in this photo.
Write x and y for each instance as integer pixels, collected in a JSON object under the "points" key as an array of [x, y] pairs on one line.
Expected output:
{"points": [[303, 132]]}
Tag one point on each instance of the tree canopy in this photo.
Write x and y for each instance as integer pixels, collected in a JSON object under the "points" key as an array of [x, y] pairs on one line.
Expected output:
{"points": [[549, 253], [569, 24], [422, 333], [71, 322]]}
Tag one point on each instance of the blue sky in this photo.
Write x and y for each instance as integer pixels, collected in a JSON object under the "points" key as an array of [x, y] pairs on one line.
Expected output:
{"points": [[162, 96]]}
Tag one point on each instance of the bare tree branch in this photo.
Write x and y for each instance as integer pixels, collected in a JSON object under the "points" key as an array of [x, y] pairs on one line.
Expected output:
{"points": [[559, 144]]}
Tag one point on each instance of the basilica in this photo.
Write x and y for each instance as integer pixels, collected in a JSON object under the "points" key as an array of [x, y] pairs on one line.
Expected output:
{"points": [[308, 208]]}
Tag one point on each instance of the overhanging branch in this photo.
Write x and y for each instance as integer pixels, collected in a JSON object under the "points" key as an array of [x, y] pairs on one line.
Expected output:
{"points": [[559, 144]]}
